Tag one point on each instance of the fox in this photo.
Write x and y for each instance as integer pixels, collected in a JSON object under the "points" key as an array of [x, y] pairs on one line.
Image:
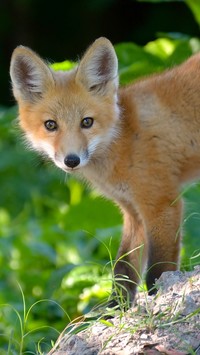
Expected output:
{"points": [[137, 145]]}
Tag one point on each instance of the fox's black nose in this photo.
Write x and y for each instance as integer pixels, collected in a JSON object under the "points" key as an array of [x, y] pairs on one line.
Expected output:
{"points": [[72, 160]]}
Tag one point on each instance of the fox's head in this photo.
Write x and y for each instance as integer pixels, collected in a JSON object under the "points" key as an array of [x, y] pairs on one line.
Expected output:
{"points": [[71, 117]]}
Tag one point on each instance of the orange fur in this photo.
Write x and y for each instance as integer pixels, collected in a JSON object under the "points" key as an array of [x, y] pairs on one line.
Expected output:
{"points": [[143, 145]]}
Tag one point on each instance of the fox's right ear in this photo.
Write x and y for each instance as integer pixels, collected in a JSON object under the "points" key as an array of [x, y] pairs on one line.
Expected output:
{"points": [[30, 75]]}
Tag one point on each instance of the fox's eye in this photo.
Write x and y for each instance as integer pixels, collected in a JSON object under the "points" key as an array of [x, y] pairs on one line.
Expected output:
{"points": [[87, 122], [51, 125]]}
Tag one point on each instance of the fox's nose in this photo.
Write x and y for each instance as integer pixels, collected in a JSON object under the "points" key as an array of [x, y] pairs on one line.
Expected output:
{"points": [[72, 160]]}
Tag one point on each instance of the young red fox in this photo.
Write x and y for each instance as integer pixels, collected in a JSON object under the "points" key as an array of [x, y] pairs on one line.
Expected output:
{"points": [[137, 145]]}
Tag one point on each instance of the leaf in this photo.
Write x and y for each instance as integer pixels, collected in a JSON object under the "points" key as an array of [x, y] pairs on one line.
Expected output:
{"points": [[106, 322], [135, 61], [129, 53], [194, 6], [66, 65]]}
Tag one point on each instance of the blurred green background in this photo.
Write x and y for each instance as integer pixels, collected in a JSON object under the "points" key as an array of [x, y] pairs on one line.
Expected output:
{"points": [[55, 233]]}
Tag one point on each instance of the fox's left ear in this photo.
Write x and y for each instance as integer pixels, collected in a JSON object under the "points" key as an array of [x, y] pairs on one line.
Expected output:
{"points": [[98, 69]]}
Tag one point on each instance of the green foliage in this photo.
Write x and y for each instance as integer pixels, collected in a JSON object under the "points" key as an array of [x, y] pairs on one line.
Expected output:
{"points": [[136, 61], [55, 232]]}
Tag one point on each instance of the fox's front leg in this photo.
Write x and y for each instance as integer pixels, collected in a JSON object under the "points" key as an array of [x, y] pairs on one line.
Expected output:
{"points": [[131, 257], [153, 241], [163, 223]]}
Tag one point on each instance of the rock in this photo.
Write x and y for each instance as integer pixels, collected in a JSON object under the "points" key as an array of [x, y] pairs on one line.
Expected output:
{"points": [[169, 323]]}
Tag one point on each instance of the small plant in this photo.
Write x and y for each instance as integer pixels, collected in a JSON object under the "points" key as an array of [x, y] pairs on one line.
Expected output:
{"points": [[20, 337]]}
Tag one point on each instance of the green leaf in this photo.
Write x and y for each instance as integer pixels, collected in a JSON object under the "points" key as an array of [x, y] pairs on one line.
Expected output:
{"points": [[194, 6], [106, 322], [135, 61], [66, 65]]}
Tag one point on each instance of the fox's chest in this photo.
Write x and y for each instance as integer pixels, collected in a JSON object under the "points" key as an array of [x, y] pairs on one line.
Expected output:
{"points": [[119, 191], [116, 190]]}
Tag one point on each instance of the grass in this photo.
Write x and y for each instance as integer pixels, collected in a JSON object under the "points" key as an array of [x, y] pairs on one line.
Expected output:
{"points": [[18, 339]]}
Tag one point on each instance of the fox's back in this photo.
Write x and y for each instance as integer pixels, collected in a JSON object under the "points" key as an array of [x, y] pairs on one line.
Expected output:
{"points": [[165, 110]]}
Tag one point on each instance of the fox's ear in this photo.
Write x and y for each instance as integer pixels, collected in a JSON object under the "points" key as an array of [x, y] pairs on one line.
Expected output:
{"points": [[98, 69], [30, 75]]}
